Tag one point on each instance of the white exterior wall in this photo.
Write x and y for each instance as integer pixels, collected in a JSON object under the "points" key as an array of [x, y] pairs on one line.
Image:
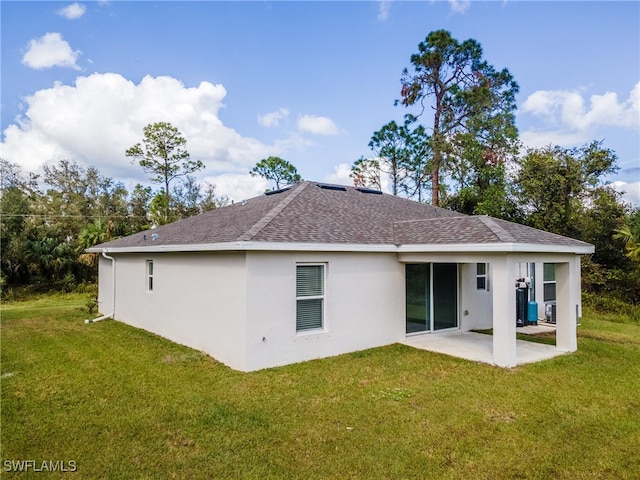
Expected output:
{"points": [[364, 306], [225, 303], [240, 307], [198, 300], [476, 306]]}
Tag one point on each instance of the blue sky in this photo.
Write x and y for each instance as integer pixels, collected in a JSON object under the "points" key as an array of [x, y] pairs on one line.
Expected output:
{"points": [[307, 81]]}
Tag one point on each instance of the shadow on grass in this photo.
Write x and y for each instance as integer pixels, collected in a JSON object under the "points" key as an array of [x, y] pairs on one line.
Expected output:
{"points": [[547, 338]]}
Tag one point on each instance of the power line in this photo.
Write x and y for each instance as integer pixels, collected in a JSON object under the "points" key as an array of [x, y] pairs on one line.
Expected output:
{"points": [[52, 215]]}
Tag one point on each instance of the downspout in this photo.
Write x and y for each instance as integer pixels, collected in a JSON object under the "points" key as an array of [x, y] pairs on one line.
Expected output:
{"points": [[113, 287]]}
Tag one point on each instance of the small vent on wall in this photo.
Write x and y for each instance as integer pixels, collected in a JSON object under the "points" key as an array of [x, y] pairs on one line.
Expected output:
{"points": [[329, 186]]}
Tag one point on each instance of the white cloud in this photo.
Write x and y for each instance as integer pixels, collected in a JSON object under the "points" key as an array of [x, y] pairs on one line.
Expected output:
{"points": [[459, 6], [567, 107], [384, 7], [541, 138], [340, 175], [568, 120], [273, 119], [631, 191], [95, 120], [238, 186], [317, 125], [572, 121], [73, 11], [50, 50], [545, 102]]}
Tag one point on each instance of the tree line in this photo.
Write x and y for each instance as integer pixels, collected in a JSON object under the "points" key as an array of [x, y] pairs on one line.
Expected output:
{"points": [[44, 231], [457, 147]]}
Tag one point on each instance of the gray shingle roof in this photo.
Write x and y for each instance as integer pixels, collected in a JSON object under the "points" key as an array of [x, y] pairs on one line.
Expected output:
{"points": [[476, 229], [317, 213]]}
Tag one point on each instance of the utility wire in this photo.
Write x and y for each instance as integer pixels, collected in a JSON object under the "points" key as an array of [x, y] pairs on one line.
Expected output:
{"points": [[66, 216]]}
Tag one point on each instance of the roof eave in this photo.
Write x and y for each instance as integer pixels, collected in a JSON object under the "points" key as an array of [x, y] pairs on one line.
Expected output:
{"points": [[498, 247], [353, 247], [250, 246]]}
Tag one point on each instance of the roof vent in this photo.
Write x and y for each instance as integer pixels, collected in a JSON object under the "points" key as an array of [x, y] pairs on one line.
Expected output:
{"points": [[154, 237], [275, 192], [329, 186], [369, 190]]}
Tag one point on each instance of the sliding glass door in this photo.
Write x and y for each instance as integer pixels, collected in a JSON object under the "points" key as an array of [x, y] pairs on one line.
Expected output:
{"points": [[431, 296], [445, 295]]}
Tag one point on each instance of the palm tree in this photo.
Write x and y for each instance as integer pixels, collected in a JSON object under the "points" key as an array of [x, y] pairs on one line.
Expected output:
{"points": [[631, 238], [48, 258], [97, 232]]}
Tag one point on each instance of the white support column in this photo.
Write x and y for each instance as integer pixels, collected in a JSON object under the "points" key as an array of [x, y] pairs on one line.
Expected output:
{"points": [[504, 311], [566, 307]]}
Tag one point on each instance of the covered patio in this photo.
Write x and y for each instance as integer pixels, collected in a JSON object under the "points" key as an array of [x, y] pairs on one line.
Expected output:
{"points": [[504, 248], [478, 347], [502, 348]]}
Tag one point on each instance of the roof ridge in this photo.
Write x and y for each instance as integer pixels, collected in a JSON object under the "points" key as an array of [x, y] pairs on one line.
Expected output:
{"points": [[497, 229], [273, 213]]}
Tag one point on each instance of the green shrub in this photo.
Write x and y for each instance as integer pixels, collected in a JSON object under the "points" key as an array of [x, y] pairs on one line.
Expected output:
{"points": [[619, 310]]}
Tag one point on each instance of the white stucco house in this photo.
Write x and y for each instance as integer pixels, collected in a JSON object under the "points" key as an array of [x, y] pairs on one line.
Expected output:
{"points": [[317, 270]]}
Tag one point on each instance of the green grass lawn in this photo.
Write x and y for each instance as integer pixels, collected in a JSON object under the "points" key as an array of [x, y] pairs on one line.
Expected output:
{"points": [[123, 403]]}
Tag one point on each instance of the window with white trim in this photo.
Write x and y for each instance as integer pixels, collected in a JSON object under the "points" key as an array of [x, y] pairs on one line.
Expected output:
{"points": [[549, 281], [309, 297], [149, 275], [482, 277]]}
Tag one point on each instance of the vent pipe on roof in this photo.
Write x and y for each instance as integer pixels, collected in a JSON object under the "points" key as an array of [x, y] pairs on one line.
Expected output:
{"points": [[113, 290]]}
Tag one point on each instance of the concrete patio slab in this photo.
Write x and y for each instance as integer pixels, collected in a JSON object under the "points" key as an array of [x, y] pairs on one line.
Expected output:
{"points": [[479, 347], [536, 329]]}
